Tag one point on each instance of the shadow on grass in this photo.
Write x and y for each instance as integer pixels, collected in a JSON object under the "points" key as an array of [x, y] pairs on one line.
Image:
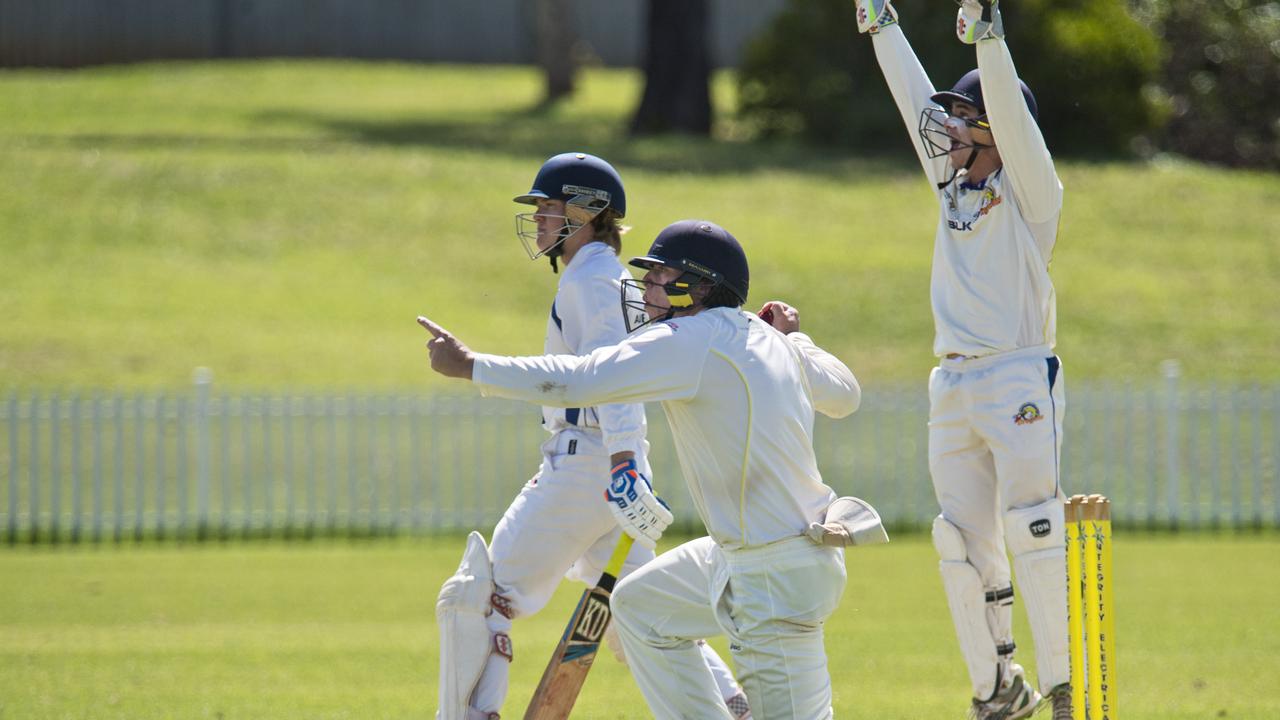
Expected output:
{"points": [[539, 134], [529, 134]]}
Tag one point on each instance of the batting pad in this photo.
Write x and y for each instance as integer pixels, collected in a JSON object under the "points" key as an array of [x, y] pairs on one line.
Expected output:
{"points": [[465, 641], [967, 597], [1036, 537]]}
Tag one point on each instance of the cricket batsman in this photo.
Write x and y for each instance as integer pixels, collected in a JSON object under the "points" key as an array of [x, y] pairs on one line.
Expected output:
{"points": [[996, 397]]}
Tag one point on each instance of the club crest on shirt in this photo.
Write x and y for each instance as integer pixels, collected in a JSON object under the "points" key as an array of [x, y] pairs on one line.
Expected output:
{"points": [[961, 222], [989, 200], [1028, 414]]}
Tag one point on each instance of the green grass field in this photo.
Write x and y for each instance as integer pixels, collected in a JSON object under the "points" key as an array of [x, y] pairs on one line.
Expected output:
{"points": [[336, 630], [283, 223]]}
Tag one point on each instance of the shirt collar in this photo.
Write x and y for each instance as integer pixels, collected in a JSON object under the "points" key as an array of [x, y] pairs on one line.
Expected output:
{"points": [[584, 253], [966, 185]]}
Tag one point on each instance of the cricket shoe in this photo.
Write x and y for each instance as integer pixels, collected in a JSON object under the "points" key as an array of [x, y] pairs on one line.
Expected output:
{"points": [[1015, 699], [1060, 701]]}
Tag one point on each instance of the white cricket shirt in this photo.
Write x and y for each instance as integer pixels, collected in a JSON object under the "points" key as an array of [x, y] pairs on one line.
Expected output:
{"points": [[587, 314], [740, 398], [990, 287]]}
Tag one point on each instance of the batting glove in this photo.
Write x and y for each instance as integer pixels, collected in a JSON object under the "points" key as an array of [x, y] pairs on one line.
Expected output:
{"points": [[641, 514], [875, 14], [979, 20]]}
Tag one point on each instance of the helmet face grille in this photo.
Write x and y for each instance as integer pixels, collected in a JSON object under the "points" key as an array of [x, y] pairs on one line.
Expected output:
{"points": [[586, 184]]}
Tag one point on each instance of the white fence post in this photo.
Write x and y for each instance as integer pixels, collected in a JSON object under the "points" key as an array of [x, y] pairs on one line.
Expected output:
{"points": [[203, 377], [1172, 370]]}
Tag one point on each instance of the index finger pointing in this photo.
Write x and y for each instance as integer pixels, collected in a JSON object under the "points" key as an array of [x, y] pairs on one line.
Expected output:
{"points": [[434, 329]]}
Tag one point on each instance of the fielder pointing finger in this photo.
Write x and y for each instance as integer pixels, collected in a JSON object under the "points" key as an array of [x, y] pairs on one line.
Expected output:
{"points": [[740, 394], [996, 398], [561, 524]]}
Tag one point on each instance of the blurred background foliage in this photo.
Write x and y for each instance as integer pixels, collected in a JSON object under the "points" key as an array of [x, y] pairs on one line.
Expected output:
{"points": [[1220, 80], [1194, 77]]}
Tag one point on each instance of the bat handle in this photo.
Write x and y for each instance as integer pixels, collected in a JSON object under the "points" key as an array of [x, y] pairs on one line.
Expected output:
{"points": [[619, 557]]}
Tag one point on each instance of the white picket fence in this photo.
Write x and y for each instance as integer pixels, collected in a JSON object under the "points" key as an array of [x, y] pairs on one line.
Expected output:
{"points": [[95, 466]]}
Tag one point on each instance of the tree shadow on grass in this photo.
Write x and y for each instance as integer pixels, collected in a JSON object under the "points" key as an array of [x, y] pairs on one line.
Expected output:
{"points": [[526, 134], [534, 134]]}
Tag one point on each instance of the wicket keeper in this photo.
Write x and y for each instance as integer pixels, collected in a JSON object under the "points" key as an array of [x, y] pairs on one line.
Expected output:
{"points": [[996, 397]]}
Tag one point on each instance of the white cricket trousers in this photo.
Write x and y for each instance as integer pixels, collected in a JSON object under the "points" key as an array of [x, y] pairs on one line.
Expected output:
{"points": [[995, 439], [770, 601]]}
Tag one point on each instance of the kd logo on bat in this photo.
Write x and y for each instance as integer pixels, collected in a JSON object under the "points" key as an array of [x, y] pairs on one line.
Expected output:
{"points": [[595, 617]]}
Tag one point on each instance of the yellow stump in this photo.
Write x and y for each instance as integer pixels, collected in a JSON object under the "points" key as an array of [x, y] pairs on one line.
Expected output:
{"points": [[1075, 618], [1090, 606], [1107, 668]]}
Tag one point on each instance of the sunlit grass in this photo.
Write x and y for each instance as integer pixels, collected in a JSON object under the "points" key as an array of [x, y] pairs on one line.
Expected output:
{"points": [[347, 630], [283, 222]]}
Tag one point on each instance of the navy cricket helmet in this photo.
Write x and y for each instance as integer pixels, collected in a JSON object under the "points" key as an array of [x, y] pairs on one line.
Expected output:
{"points": [[586, 184], [969, 89], [579, 178], [705, 253]]}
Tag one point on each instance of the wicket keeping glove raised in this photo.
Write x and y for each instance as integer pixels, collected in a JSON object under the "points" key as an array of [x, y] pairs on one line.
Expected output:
{"points": [[978, 20], [875, 14], [641, 514]]}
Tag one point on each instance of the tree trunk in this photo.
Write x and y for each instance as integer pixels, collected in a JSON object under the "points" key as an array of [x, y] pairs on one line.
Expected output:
{"points": [[677, 68], [555, 42]]}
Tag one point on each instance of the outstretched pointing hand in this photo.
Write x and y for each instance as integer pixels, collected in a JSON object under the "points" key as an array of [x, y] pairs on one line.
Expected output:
{"points": [[449, 356]]}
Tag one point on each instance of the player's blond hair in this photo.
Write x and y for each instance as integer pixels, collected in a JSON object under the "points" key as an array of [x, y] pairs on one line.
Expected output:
{"points": [[608, 230]]}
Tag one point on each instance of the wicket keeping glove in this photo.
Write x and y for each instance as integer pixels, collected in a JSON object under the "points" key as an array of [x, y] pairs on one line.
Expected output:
{"points": [[979, 20], [641, 514], [875, 14]]}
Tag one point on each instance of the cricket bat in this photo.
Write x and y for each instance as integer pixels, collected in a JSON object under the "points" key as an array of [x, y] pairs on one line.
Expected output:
{"points": [[567, 671]]}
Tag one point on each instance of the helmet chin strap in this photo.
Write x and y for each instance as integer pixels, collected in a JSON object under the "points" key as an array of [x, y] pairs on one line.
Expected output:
{"points": [[973, 155]]}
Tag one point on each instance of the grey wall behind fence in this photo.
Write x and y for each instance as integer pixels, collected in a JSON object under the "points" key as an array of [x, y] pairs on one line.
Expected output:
{"points": [[85, 466], [73, 33]]}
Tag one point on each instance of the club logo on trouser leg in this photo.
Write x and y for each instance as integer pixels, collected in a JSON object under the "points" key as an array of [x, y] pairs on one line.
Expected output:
{"points": [[1028, 414]]}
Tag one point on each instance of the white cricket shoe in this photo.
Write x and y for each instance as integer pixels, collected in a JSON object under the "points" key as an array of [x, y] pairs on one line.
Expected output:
{"points": [[1015, 699]]}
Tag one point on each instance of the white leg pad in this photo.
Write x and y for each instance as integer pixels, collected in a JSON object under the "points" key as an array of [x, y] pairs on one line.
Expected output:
{"points": [[983, 616], [465, 639], [1036, 537]]}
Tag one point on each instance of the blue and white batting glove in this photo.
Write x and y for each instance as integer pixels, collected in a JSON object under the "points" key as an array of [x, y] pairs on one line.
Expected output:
{"points": [[641, 514], [979, 20], [875, 14]]}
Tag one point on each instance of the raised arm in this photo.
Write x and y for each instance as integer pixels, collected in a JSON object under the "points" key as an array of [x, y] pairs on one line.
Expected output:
{"points": [[907, 81], [1022, 148]]}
